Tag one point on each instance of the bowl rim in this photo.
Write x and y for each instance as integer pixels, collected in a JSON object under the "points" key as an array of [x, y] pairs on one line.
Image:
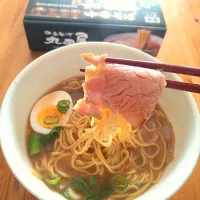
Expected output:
{"points": [[33, 64]]}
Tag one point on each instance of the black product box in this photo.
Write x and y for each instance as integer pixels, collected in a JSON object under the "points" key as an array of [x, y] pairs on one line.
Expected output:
{"points": [[50, 24]]}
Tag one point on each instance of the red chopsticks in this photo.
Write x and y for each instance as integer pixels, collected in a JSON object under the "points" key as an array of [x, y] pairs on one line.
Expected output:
{"points": [[194, 71]]}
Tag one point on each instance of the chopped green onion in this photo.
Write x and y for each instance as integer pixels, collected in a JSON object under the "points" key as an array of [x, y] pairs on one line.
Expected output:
{"points": [[93, 198], [47, 138], [64, 103], [92, 181], [55, 181], [34, 144], [63, 106], [80, 184], [73, 194], [105, 191], [122, 178], [51, 119], [66, 196]]}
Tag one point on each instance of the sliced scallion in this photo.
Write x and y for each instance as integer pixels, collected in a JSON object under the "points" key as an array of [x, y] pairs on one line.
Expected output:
{"points": [[93, 198], [47, 138], [34, 144], [105, 191], [63, 106], [73, 194], [51, 120], [80, 184], [122, 179], [66, 195], [55, 181], [92, 181]]}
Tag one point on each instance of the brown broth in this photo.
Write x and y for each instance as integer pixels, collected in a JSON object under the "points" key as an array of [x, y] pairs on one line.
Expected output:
{"points": [[166, 130]]}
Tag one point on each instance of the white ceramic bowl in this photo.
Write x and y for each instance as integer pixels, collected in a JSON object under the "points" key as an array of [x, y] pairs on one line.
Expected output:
{"points": [[60, 64]]}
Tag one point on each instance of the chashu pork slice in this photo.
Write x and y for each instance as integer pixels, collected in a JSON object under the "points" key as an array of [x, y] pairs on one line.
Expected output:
{"points": [[130, 91]]}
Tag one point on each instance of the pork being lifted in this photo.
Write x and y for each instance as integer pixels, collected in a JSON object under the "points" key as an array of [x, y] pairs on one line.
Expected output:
{"points": [[130, 91]]}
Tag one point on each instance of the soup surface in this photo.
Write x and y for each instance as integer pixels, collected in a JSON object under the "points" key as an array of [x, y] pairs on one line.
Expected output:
{"points": [[72, 161]]}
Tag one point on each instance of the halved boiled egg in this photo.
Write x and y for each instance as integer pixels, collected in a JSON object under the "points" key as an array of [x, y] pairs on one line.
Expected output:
{"points": [[52, 110]]}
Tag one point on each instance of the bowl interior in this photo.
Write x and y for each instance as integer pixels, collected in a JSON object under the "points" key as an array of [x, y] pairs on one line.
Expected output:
{"points": [[65, 62]]}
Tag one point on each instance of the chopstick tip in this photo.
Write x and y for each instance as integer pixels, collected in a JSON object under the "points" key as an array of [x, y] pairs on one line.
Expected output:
{"points": [[82, 70]]}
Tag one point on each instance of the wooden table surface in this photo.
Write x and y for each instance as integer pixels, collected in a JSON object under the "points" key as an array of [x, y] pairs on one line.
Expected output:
{"points": [[180, 46]]}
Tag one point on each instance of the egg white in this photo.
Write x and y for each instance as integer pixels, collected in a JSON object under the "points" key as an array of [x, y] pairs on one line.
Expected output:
{"points": [[51, 99]]}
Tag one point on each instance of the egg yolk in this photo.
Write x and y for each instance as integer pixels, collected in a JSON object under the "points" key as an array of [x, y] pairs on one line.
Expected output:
{"points": [[49, 116]]}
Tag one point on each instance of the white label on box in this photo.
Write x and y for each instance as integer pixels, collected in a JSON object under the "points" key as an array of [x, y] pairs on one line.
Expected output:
{"points": [[152, 17], [63, 38]]}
